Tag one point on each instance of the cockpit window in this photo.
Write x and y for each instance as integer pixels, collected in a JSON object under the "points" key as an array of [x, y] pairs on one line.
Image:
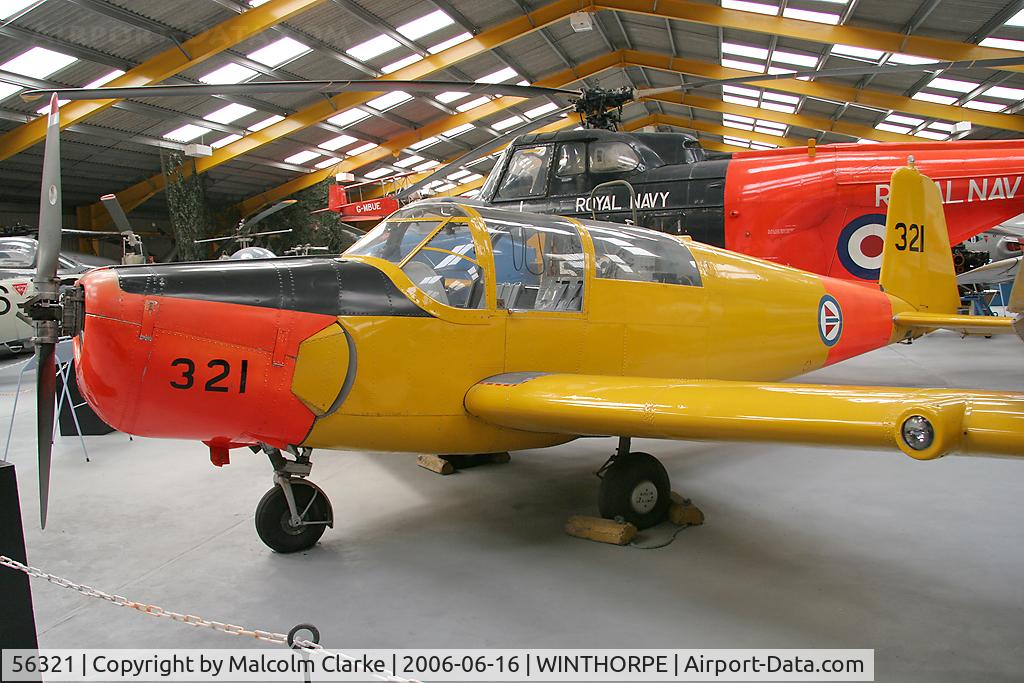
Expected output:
{"points": [[393, 240], [446, 269], [17, 253], [539, 265], [527, 173], [612, 157], [624, 253]]}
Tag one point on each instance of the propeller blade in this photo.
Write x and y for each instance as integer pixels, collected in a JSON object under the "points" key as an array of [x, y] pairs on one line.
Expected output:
{"points": [[269, 211], [308, 87], [483, 150], [116, 212], [45, 282], [880, 69], [46, 390]]}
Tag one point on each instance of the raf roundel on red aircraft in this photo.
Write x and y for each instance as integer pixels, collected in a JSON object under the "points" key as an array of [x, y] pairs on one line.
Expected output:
{"points": [[860, 245], [830, 320]]}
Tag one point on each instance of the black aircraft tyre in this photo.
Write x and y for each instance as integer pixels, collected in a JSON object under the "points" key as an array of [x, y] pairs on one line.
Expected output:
{"points": [[637, 489], [273, 519]]}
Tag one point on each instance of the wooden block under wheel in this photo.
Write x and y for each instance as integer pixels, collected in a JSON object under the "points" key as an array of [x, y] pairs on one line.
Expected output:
{"points": [[599, 529]]}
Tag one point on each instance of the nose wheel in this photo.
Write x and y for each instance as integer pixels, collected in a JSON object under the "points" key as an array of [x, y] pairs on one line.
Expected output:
{"points": [[294, 514], [634, 487]]}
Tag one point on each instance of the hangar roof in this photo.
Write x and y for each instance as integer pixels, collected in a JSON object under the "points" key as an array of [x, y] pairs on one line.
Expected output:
{"points": [[286, 142]]}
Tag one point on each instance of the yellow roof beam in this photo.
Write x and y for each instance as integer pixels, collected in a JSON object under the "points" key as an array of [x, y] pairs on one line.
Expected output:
{"points": [[801, 120], [873, 39], [394, 145], [171, 61], [837, 93], [326, 108]]}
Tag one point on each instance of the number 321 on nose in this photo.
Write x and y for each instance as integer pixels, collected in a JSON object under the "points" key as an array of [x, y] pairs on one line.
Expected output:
{"points": [[220, 377]]}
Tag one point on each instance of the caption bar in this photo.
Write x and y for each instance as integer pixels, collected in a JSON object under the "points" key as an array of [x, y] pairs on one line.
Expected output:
{"points": [[439, 665]]}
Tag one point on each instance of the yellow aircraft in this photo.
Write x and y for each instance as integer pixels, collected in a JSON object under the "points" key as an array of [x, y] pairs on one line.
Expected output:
{"points": [[453, 328]]}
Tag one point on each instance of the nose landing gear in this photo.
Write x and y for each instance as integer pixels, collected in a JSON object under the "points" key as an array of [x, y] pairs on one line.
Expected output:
{"points": [[294, 514], [635, 487]]}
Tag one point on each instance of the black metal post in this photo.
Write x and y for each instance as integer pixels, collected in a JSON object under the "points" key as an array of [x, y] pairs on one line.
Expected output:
{"points": [[18, 625]]}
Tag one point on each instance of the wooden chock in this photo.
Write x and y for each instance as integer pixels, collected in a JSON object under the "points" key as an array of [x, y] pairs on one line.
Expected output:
{"points": [[600, 530], [435, 463], [682, 512]]}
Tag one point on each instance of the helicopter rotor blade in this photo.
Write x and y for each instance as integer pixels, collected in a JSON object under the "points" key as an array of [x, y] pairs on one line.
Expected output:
{"points": [[45, 300], [880, 69], [268, 232], [483, 150], [302, 87], [113, 207], [269, 211]]}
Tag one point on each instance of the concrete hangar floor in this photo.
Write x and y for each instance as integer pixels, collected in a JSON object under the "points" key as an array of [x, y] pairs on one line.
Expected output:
{"points": [[803, 547]]}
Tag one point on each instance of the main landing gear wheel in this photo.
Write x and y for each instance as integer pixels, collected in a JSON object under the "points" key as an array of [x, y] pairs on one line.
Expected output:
{"points": [[635, 487], [294, 514]]}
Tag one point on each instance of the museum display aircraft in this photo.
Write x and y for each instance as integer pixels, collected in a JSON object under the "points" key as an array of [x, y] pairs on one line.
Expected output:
{"points": [[818, 208], [453, 328]]}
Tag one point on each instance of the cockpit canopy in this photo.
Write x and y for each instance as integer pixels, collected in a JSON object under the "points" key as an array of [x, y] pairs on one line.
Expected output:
{"points": [[537, 262]]}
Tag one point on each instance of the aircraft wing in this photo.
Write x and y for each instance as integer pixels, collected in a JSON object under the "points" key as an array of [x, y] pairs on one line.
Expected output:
{"points": [[992, 273], [874, 417]]}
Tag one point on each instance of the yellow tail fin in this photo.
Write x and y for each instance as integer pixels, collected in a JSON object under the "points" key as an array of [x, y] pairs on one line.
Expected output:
{"points": [[917, 265]]}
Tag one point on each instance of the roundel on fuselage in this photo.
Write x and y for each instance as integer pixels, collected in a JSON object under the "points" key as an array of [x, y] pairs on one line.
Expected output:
{"points": [[830, 320], [860, 245]]}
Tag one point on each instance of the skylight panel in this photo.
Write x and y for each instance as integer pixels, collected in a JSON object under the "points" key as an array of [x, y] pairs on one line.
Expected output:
{"points": [[769, 131], [458, 130], [892, 129], [337, 143], [737, 90], [736, 117], [330, 161], [1003, 43], [401, 63], [781, 70], [104, 79], [426, 166], [905, 120], [982, 105], [186, 133], [471, 178], [409, 161], [857, 52], [738, 142], [952, 84], [362, 148], [279, 52], [11, 7], [348, 117], [471, 193], [763, 145], [507, 123], [900, 58], [451, 42], [794, 58], [732, 99], [807, 15], [541, 110], [458, 174], [6, 90], [1016, 20], [227, 140], [373, 47], [499, 76], [939, 125], [931, 135], [301, 157], [771, 124], [444, 187], [473, 104], [230, 113], [779, 97], [389, 100], [425, 25], [933, 97], [776, 106], [750, 6], [38, 62], [737, 124], [230, 73], [447, 97], [743, 66], [745, 50], [425, 142], [269, 121], [377, 173], [1002, 93]]}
